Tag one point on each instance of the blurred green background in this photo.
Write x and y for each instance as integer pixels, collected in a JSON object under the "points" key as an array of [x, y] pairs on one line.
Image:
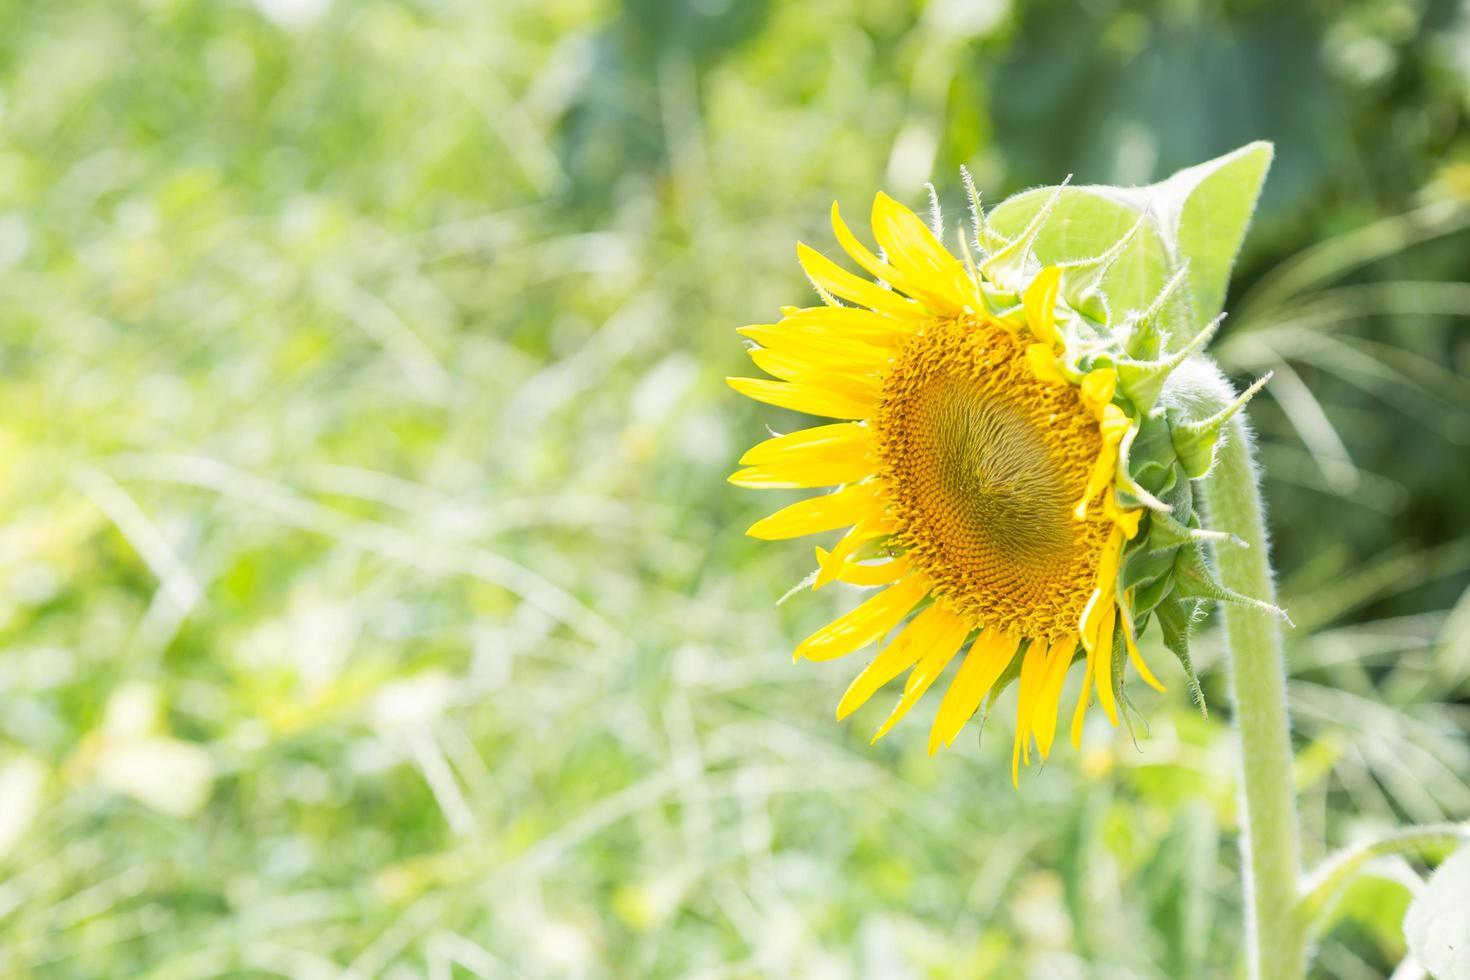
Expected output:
{"points": [[372, 600]]}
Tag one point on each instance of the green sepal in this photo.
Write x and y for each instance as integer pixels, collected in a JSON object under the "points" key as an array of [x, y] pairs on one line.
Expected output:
{"points": [[1147, 599], [987, 240], [1143, 380], [1128, 487], [1009, 266], [1082, 280], [1086, 275], [1133, 719], [1147, 335], [1002, 302], [1176, 615], [1149, 457], [1193, 579], [1092, 304], [1195, 440], [1146, 564], [1120, 661], [1166, 532], [1180, 494], [1140, 623], [1194, 443], [1134, 500]]}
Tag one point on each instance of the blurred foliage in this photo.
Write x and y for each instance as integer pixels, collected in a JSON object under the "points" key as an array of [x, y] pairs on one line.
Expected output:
{"points": [[371, 597]]}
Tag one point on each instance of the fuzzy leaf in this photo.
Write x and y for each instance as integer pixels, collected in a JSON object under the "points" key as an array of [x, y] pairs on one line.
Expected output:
{"points": [[1085, 223], [1198, 216], [1216, 201], [1437, 925]]}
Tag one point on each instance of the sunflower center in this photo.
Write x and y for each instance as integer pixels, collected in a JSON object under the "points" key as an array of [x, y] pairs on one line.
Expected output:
{"points": [[984, 463]]}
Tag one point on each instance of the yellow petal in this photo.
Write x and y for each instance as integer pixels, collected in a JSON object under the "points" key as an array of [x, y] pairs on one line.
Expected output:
{"points": [[1033, 672], [802, 474], [906, 238], [1098, 388], [1040, 302], [1049, 695], [937, 627], [825, 513], [1113, 426], [784, 365], [1104, 595], [826, 349], [1080, 711], [1091, 618], [863, 256], [1043, 364], [805, 397], [1108, 561], [828, 275], [928, 669], [874, 524], [989, 656], [838, 441], [852, 324], [866, 623], [923, 261], [822, 456], [1097, 481], [1126, 520], [864, 573], [1114, 423], [1136, 658], [1103, 671]]}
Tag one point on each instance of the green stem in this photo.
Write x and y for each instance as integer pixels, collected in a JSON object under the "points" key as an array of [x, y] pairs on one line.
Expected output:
{"points": [[1271, 853]]}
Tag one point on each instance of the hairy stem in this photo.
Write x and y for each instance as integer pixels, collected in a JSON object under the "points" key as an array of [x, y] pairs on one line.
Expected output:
{"points": [[1271, 853]]}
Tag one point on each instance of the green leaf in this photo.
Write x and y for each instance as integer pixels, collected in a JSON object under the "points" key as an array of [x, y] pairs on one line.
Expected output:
{"points": [[1216, 201], [1086, 223], [1437, 926], [1199, 216], [1375, 901]]}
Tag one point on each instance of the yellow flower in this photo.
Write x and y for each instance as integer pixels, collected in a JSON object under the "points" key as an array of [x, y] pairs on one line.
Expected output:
{"points": [[975, 468]]}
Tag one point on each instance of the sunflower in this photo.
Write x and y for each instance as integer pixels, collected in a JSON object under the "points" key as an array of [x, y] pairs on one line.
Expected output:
{"points": [[981, 473]]}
